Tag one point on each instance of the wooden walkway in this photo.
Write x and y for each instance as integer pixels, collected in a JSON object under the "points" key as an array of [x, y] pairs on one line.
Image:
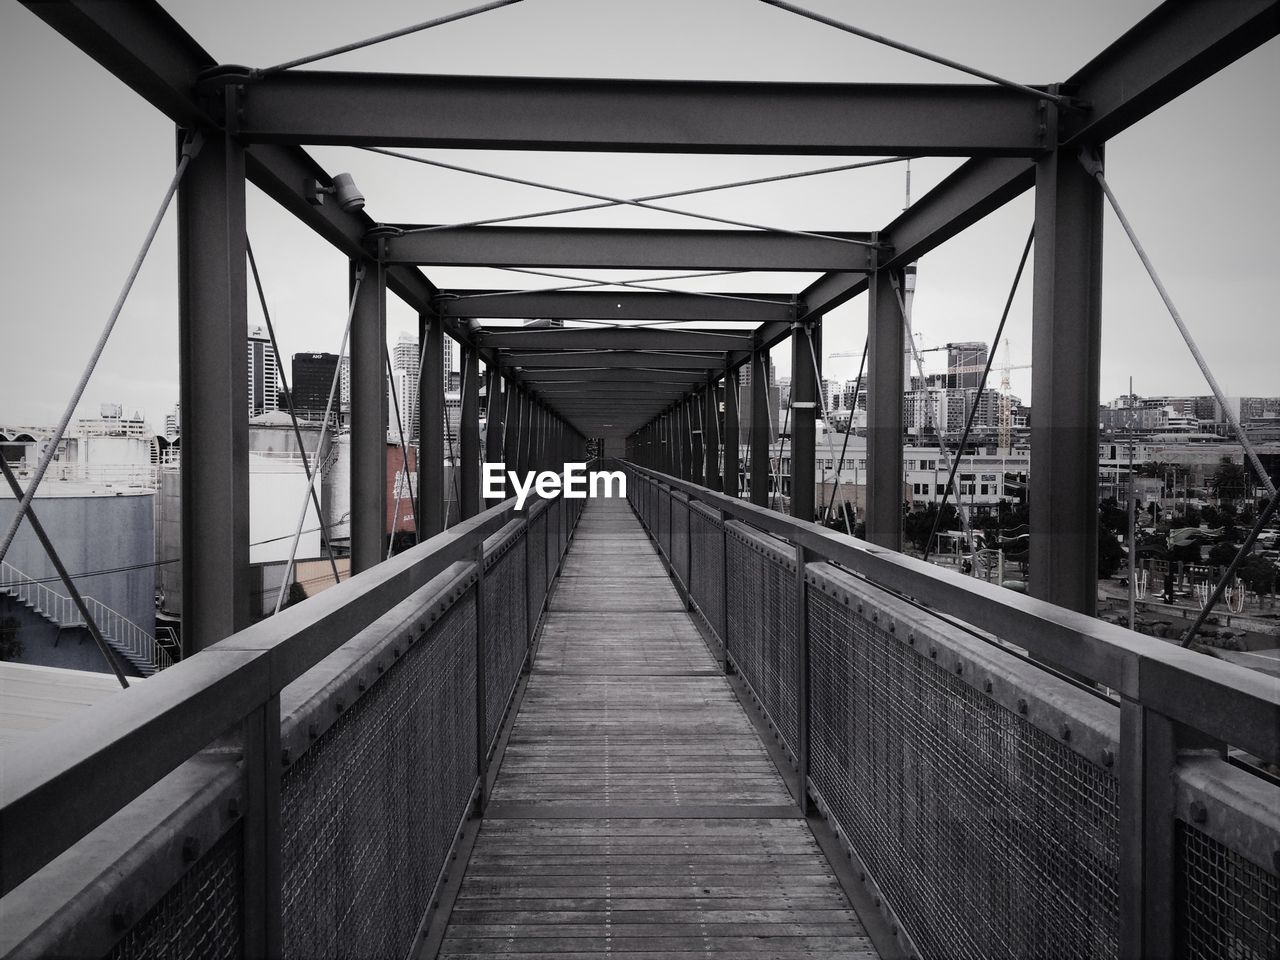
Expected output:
{"points": [[636, 813]]}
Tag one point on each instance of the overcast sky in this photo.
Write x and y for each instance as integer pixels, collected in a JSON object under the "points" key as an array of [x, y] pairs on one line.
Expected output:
{"points": [[86, 161]]}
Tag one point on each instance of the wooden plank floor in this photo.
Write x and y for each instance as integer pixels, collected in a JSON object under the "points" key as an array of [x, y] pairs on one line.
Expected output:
{"points": [[636, 813]]}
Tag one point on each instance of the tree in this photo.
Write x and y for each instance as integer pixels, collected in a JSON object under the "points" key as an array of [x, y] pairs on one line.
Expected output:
{"points": [[1110, 554], [1221, 554], [1258, 574], [1229, 482], [918, 523]]}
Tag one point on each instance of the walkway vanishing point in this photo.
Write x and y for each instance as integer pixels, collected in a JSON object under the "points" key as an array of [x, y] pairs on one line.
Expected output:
{"points": [[636, 812]]}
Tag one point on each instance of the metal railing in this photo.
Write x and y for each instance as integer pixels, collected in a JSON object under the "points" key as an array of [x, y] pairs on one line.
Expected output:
{"points": [[295, 790], [118, 630], [993, 805]]}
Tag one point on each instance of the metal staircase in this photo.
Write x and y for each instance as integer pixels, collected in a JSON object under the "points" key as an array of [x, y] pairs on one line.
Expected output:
{"points": [[126, 637]]}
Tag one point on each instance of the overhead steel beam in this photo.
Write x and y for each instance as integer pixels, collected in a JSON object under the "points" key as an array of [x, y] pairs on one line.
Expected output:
{"points": [[629, 305], [614, 338], [648, 249], [617, 358], [612, 376], [678, 116], [1175, 47]]}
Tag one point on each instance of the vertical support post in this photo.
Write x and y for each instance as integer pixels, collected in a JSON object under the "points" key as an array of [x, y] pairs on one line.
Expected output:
{"points": [[697, 437], [493, 435], [469, 433], [730, 481], [369, 420], [686, 439], [521, 462], [760, 428], [1148, 753], [884, 412], [213, 326], [1066, 338], [263, 906], [510, 429], [431, 443], [482, 738], [711, 435], [802, 684], [804, 414], [724, 592]]}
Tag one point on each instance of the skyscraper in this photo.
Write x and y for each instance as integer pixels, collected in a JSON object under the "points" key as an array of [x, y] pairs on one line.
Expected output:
{"points": [[312, 378], [965, 361], [264, 377], [405, 366]]}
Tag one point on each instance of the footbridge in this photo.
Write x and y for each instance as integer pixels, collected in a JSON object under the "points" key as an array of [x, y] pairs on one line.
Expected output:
{"points": [[679, 723]]}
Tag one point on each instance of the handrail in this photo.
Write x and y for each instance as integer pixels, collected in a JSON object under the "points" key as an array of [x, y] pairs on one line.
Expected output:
{"points": [[114, 626], [137, 739], [1229, 703]]}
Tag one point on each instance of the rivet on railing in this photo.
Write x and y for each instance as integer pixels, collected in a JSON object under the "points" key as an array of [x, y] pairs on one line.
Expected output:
{"points": [[1065, 731], [361, 686], [1198, 812], [1022, 705], [190, 849], [933, 653], [987, 685], [312, 731], [284, 757], [233, 808], [339, 706], [120, 919], [1108, 757], [959, 666]]}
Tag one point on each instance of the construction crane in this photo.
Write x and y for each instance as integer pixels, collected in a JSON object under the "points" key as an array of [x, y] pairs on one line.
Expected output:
{"points": [[1005, 440]]}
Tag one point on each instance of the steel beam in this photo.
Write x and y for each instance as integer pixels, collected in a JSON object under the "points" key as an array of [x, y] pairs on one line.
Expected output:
{"points": [[614, 375], [369, 420], [711, 434], [884, 412], [730, 439], [626, 249], [683, 116], [697, 438], [212, 320], [431, 492], [1066, 348], [804, 414], [495, 408], [469, 435], [761, 429], [614, 338], [628, 305], [631, 359]]}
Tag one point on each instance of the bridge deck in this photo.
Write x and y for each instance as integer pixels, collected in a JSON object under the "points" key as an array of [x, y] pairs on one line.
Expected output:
{"points": [[637, 813]]}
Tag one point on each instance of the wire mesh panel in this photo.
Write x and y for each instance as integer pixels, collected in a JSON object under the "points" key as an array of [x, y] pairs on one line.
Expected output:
{"points": [[664, 522], [370, 810], [707, 569], [988, 835], [536, 590], [505, 628], [680, 537], [1228, 906], [762, 620], [200, 918]]}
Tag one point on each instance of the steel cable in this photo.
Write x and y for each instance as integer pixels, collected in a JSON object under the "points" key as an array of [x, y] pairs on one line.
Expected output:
{"points": [[190, 147]]}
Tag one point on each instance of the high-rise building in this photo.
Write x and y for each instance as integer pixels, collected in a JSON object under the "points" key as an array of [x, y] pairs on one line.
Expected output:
{"points": [[264, 376], [312, 379], [746, 372], [405, 367], [965, 363]]}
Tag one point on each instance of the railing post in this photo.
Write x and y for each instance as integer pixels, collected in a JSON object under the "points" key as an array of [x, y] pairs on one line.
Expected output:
{"points": [[802, 686], [260, 733], [482, 740], [724, 589]]}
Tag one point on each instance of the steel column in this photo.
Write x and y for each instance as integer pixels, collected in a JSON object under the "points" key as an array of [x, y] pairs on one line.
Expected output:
{"points": [[510, 428], [711, 435], [431, 492], [697, 437], [760, 428], [495, 407], [884, 411], [369, 420], [213, 324], [1066, 352], [469, 434], [804, 413], [686, 439], [729, 441]]}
